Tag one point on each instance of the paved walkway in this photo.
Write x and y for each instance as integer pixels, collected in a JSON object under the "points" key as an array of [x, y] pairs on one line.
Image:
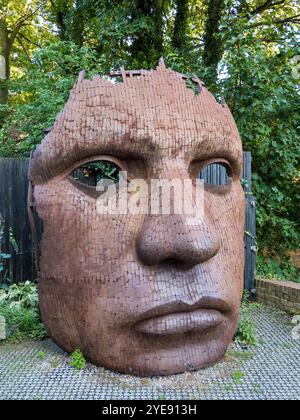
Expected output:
{"points": [[270, 370]]}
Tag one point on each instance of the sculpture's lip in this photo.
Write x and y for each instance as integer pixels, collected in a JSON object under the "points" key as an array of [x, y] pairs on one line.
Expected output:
{"points": [[180, 317]]}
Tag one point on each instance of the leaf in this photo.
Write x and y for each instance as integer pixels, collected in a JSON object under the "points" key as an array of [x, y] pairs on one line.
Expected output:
{"points": [[5, 256]]}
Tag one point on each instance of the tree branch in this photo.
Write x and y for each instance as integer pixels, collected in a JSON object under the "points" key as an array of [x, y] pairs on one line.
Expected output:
{"points": [[29, 40], [267, 5], [23, 48], [25, 17], [14, 32], [22, 21], [291, 19]]}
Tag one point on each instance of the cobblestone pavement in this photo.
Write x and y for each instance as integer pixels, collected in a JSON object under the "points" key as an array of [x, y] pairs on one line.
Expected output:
{"points": [[270, 370]]}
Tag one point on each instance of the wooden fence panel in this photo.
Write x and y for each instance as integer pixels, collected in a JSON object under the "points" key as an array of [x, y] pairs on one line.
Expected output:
{"points": [[13, 208]]}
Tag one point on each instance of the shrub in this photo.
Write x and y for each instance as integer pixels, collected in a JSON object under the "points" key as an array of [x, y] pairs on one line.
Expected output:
{"points": [[245, 332], [281, 270], [19, 307]]}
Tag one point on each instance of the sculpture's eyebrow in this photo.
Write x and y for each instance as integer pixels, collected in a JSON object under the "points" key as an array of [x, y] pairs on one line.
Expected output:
{"points": [[68, 144], [231, 151], [61, 150]]}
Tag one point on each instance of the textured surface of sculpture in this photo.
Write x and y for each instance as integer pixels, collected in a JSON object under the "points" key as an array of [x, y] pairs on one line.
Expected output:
{"points": [[140, 293]]}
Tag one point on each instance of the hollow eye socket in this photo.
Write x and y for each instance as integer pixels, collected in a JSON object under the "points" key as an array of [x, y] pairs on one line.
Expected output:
{"points": [[216, 173], [87, 176], [91, 173]]}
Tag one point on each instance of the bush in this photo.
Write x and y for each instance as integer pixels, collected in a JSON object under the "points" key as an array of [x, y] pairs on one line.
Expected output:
{"points": [[19, 307], [270, 268], [245, 332]]}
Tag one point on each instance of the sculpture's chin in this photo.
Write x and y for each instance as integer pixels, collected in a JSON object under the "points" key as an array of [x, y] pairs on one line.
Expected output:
{"points": [[161, 345], [168, 362], [168, 355], [194, 341]]}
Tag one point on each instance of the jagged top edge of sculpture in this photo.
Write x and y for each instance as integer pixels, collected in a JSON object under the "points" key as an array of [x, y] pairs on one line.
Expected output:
{"points": [[129, 74], [137, 74], [82, 88]]}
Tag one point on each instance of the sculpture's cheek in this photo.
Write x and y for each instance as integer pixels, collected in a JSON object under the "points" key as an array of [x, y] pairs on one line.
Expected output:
{"points": [[84, 244]]}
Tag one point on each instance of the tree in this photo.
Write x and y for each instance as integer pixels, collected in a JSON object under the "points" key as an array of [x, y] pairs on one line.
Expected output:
{"points": [[13, 17], [271, 22], [71, 18], [59, 11], [147, 41], [180, 31], [213, 45]]}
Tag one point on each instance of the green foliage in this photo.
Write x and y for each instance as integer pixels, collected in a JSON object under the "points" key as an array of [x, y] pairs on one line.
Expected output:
{"points": [[12, 240], [273, 269], [77, 360], [246, 331], [237, 376], [246, 296], [239, 355], [22, 323], [41, 93], [41, 355], [4, 256], [22, 295], [19, 306], [264, 98], [101, 170]]}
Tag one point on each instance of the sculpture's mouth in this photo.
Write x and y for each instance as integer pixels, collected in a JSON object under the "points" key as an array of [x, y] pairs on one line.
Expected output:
{"points": [[179, 317]]}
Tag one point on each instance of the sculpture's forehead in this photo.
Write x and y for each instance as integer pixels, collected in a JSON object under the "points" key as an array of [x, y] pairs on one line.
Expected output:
{"points": [[149, 115], [161, 102]]}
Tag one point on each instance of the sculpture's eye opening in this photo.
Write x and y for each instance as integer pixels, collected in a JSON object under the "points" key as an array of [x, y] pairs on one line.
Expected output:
{"points": [[88, 176], [92, 172], [216, 173]]}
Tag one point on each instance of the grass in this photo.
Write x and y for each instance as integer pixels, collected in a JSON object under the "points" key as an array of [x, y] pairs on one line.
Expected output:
{"points": [[228, 387], [239, 355], [237, 377], [41, 355], [257, 388]]}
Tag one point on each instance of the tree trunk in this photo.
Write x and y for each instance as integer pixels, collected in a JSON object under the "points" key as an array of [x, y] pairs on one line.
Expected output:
{"points": [[77, 32], [213, 46], [4, 61], [61, 11], [147, 46], [158, 27], [4, 66], [179, 37]]}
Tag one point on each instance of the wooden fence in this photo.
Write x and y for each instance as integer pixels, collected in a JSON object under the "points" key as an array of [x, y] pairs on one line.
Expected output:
{"points": [[17, 239]]}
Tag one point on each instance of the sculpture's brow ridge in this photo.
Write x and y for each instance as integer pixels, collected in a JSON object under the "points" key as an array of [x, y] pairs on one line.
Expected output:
{"points": [[147, 112]]}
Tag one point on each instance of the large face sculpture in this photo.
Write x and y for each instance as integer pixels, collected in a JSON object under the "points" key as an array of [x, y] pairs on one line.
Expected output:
{"points": [[140, 293]]}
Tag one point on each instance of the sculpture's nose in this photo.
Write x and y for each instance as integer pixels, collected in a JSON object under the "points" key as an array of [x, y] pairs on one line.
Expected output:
{"points": [[170, 240]]}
